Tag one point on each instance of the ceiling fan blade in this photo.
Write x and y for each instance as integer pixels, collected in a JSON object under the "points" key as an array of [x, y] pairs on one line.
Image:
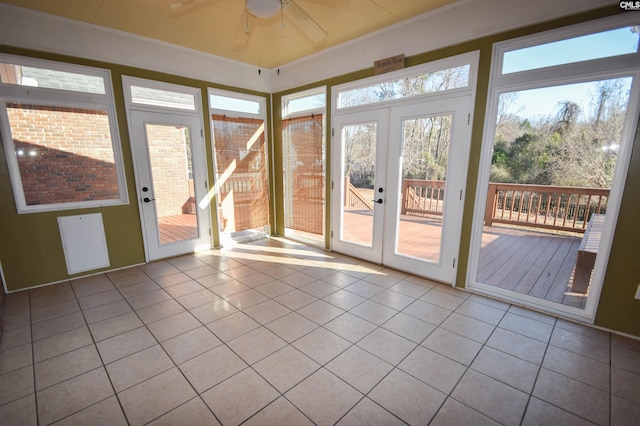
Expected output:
{"points": [[181, 8], [303, 21]]}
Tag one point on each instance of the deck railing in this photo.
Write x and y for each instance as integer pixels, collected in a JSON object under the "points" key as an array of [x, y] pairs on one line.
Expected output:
{"points": [[561, 208], [422, 197], [354, 198]]}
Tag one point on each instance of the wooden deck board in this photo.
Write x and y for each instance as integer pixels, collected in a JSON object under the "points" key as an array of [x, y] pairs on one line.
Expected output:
{"points": [[528, 262], [177, 228]]}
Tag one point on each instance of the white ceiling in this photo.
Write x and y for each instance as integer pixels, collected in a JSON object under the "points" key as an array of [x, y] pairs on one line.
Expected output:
{"points": [[217, 26]]}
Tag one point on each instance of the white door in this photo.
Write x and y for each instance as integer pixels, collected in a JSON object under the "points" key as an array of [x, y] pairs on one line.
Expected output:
{"points": [[169, 159], [409, 162]]}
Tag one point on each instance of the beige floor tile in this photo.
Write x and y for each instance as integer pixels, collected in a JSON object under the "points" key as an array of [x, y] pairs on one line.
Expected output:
{"points": [[186, 288], [412, 289], [229, 288], [99, 299], [468, 327], [51, 294], [274, 288], [339, 279], [246, 299], [359, 368], [193, 412], [573, 396], [542, 413], [190, 344], [73, 395], [407, 398], [298, 279], [16, 384], [374, 312], [527, 327], [323, 397], [506, 368], [386, 278], [623, 412], [240, 397], [159, 269], [515, 344], [130, 277], [49, 312], [139, 289], [527, 313], [232, 326], [286, 368], [320, 312], [578, 367], [15, 358], [481, 312], [213, 311], [16, 337], [113, 326], [186, 262], [409, 327], [200, 374], [197, 298], [453, 412], [319, 289], [172, 279], [133, 369], [582, 344], [150, 399], [434, 369], [453, 346], [159, 311], [256, 344], [292, 326], [489, 302], [490, 397], [106, 311], [625, 358], [173, 326], [255, 280], [99, 285], [16, 320], [55, 326], [104, 413], [267, 311], [125, 344], [344, 299], [321, 345], [21, 412], [387, 345], [442, 299], [62, 367], [279, 412], [625, 384], [369, 413], [393, 299], [61, 343], [295, 299], [201, 271], [427, 312], [364, 289], [350, 327]]}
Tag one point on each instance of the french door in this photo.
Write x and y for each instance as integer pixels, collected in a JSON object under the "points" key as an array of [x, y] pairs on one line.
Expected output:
{"points": [[169, 158], [399, 175]]}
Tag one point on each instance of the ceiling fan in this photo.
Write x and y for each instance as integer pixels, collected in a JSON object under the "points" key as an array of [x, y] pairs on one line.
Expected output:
{"points": [[262, 9]]}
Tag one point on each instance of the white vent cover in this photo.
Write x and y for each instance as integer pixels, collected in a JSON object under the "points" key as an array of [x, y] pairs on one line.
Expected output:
{"points": [[83, 242]]}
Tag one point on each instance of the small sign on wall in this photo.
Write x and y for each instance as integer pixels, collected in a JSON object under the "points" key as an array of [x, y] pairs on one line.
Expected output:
{"points": [[393, 63], [83, 242]]}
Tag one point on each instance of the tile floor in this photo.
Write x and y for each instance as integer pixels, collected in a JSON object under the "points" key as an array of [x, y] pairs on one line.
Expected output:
{"points": [[275, 333]]}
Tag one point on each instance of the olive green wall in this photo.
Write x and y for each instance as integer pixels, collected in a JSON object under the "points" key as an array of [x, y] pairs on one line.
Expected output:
{"points": [[618, 310], [31, 249]]}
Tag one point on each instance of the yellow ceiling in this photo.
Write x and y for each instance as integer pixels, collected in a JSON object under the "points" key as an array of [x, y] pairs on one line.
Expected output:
{"points": [[216, 26]]}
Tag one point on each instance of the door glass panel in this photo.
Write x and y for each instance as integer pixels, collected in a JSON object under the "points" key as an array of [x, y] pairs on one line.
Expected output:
{"points": [[241, 175], [425, 152], [359, 167], [172, 174]]}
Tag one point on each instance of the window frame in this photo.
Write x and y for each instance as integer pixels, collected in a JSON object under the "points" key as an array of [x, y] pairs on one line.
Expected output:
{"points": [[29, 95]]}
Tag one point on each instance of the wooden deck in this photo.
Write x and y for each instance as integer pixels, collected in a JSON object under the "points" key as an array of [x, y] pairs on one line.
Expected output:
{"points": [[528, 262], [177, 228]]}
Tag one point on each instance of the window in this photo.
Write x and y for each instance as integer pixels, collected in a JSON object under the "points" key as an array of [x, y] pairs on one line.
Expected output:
{"points": [[60, 134], [303, 151], [438, 77]]}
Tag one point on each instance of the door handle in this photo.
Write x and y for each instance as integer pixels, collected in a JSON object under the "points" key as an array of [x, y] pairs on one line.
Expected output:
{"points": [[379, 201], [147, 199]]}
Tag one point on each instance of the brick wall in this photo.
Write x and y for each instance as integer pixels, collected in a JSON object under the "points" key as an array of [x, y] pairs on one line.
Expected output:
{"points": [[169, 156], [64, 154]]}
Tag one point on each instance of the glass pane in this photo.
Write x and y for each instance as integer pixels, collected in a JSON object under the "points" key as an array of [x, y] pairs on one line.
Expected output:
{"points": [[162, 98], [234, 104], [51, 79], [306, 103], [425, 152], [359, 165], [448, 79], [65, 155], [554, 157], [241, 174], [171, 169], [304, 175], [606, 44]]}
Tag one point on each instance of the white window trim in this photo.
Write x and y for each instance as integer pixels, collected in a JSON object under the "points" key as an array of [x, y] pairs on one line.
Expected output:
{"points": [[626, 65], [262, 113], [301, 95], [10, 93]]}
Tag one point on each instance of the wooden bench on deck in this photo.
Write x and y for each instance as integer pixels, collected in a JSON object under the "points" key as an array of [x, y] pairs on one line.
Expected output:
{"points": [[587, 253]]}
